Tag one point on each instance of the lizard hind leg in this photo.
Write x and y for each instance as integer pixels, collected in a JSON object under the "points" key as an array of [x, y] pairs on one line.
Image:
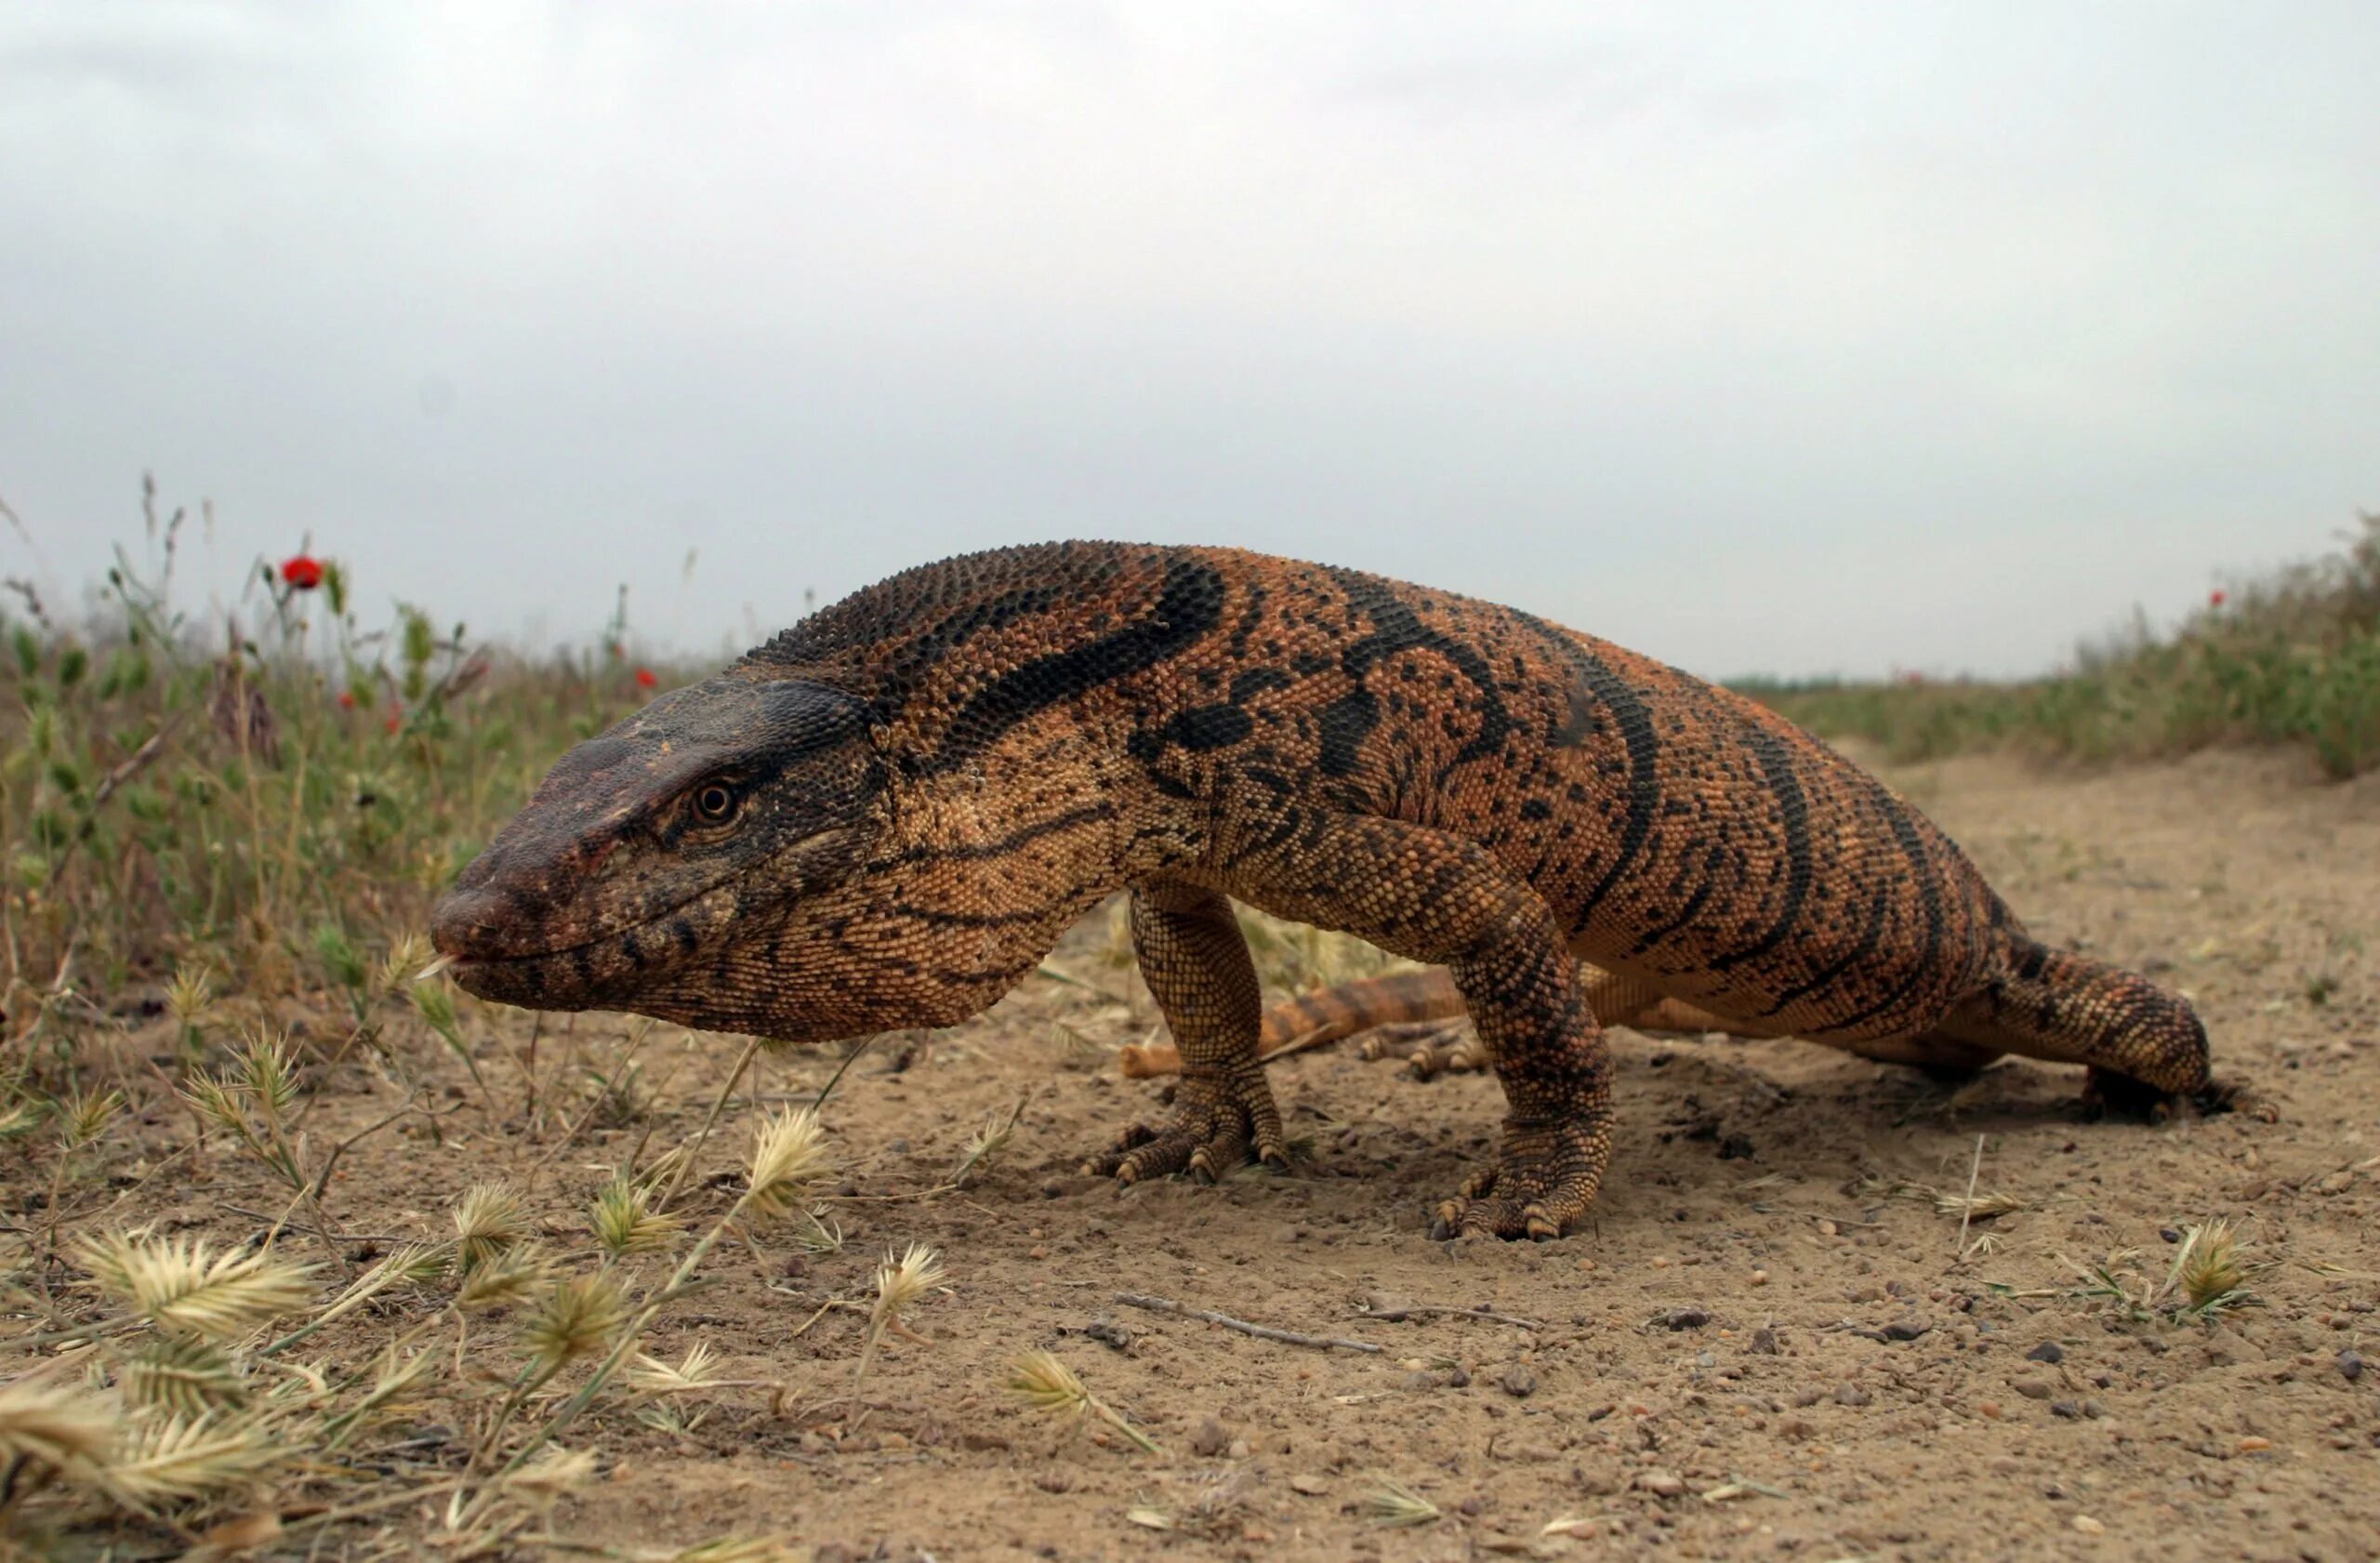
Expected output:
{"points": [[2145, 1047], [1195, 962]]}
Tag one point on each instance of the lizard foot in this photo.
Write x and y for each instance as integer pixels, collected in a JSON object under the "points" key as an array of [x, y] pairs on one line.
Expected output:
{"points": [[1543, 1182], [1429, 1048], [1218, 1121], [2107, 1094]]}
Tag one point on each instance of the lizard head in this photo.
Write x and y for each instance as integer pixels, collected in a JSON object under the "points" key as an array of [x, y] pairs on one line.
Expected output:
{"points": [[684, 864]]}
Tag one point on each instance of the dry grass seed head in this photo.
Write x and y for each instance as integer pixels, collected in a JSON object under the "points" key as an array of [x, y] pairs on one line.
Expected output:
{"points": [[576, 1318], [408, 953], [735, 1549], [55, 1425], [656, 1377], [789, 1155], [215, 1101], [191, 1456], [182, 1287], [489, 1220], [191, 994], [986, 1143], [899, 1283], [267, 1072], [625, 1221], [82, 1119], [181, 1376], [1048, 1386], [1392, 1502], [2210, 1268], [513, 1273]]}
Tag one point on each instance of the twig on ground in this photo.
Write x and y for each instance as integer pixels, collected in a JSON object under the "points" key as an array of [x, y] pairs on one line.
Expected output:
{"points": [[316, 1231], [1261, 1331], [1394, 1308], [1966, 1211]]}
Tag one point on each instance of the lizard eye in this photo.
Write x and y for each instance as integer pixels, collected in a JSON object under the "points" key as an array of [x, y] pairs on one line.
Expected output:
{"points": [[714, 802]]}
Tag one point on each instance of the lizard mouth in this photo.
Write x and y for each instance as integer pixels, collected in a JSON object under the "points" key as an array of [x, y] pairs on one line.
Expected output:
{"points": [[609, 968]]}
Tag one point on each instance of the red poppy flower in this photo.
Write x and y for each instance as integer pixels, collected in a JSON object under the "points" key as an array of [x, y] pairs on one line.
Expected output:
{"points": [[346, 699], [645, 679], [394, 722], [2216, 598], [303, 571]]}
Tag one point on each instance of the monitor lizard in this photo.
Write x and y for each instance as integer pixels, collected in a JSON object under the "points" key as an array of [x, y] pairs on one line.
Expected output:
{"points": [[886, 816]]}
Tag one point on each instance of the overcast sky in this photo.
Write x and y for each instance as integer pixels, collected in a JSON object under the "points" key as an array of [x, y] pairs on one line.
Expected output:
{"points": [[1794, 338]]}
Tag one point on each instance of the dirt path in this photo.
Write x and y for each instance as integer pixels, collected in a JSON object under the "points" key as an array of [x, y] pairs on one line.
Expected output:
{"points": [[1768, 1342]]}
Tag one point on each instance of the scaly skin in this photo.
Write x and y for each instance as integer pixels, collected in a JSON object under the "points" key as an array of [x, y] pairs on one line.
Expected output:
{"points": [[887, 815]]}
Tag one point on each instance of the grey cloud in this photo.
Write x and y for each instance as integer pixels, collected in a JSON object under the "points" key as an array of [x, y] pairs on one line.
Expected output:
{"points": [[1837, 338]]}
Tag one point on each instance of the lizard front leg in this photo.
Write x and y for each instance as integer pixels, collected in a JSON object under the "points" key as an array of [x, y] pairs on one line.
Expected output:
{"points": [[1195, 962], [1438, 897]]}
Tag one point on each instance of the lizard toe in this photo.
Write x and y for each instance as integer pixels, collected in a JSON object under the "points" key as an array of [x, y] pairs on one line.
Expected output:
{"points": [[1496, 1218], [1214, 1128], [1538, 1187]]}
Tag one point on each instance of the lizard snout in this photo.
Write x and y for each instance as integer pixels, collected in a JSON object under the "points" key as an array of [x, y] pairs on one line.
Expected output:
{"points": [[465, 924], [498, 921]]}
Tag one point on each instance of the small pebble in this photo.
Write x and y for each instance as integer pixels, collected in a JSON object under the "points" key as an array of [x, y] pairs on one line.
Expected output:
{"points": [[2088, 1526], [1661, 1483], [1764, 1340], [2066, 1408], [2255, 1445], [1311, 1486], [1519, 1381], [2351, 1364], [1852, 1395], [1760, 1277], [2035, 1389], [2048, 1351], [1906, 1329], [1686, 1319], [1990, 1408]]}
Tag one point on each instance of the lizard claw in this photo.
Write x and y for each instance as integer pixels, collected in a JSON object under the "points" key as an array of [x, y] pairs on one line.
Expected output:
{"points": [[1539, 1187], [2107, 1094], [1217, 1122]]}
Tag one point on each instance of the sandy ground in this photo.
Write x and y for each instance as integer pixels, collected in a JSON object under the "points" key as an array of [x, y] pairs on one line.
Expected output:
{"points": [[1767, 1340]]}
